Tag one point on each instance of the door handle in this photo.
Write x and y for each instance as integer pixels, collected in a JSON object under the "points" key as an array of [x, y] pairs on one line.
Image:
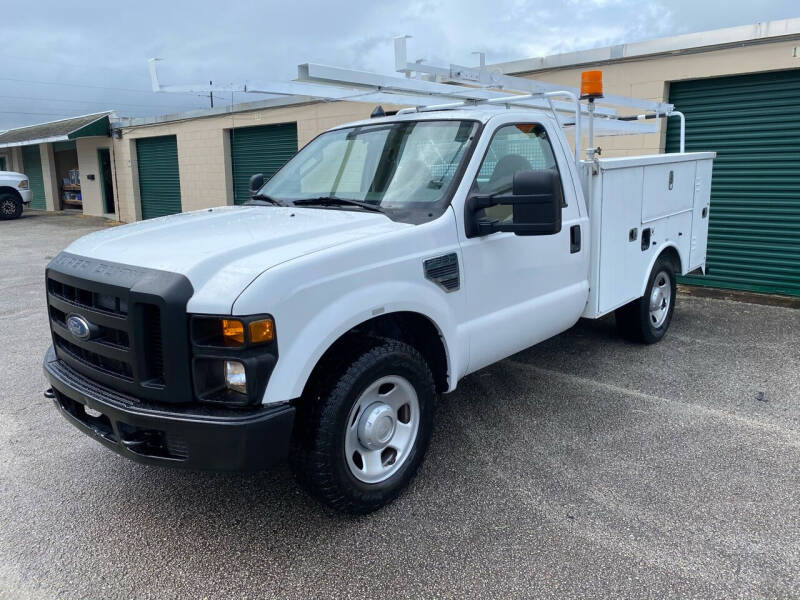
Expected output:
{"points": [[574, 239], [646, 238]]}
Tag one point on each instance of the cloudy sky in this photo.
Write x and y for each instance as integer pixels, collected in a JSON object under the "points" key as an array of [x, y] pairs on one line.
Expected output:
{"points": [[61, 59]]}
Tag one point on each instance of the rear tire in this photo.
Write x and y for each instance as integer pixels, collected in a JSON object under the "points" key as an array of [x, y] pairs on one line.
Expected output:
{"points": [[10, 206], [363, 430], [647, 319]]}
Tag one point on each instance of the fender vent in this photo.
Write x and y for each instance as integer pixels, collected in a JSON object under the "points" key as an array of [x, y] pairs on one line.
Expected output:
{"points": [[443, 271]]}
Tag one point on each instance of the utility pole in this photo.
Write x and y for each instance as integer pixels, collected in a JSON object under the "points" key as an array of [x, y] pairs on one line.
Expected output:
{"points": [[211, 94]]}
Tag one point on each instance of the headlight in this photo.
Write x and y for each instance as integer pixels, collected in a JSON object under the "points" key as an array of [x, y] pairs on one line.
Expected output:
{"points": [[230, 333], [23, 184], [235, 377], [232, 357]]}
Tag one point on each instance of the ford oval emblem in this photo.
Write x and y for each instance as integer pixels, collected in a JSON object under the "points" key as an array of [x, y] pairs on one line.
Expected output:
{"points": [[79, 327]]}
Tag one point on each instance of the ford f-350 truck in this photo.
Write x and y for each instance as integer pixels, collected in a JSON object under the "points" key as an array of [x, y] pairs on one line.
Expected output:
{"points": [[387, 260]]}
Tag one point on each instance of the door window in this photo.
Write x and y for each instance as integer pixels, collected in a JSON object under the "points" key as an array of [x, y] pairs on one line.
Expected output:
{"points": [[519, 147]]}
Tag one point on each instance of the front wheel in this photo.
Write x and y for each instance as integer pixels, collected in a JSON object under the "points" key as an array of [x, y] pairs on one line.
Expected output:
{"points": [[361, 435], [647, 319], [10, 206]]}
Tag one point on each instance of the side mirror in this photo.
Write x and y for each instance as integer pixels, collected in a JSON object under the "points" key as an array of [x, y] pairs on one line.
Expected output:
{"points": [[536, 202], [256, 183], [542, 198]]}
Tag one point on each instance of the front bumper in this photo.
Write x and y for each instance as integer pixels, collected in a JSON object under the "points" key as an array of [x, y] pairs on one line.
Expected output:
{"points": [[192, 437], [27, 196]]}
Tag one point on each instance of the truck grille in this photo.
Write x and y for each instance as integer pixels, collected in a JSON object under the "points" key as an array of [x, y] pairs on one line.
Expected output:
{"points": [[154, 343], [125, 347], [111, 336], [109, 350], [88, 299], [98, 361]]}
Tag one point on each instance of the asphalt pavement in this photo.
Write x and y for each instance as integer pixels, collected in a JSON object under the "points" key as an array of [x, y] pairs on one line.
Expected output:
{"points": [[583, 467]]}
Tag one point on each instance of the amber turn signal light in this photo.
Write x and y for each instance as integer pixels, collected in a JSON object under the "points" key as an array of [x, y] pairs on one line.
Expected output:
{"points": [[261, 331], [591, 84], [232, 332]]}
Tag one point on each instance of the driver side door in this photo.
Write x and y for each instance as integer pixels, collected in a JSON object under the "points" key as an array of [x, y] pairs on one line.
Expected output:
{"points": [[522, 289]]}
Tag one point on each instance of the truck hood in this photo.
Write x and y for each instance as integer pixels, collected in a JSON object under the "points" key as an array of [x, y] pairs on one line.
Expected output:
{"points": [[222, 250]]}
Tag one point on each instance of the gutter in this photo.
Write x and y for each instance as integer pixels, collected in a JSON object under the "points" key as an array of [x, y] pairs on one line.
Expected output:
{"points": [[770, 32], [126, 122]]}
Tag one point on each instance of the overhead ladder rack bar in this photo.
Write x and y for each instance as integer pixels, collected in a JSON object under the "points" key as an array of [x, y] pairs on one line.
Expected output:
{"points": [[426, 88]]}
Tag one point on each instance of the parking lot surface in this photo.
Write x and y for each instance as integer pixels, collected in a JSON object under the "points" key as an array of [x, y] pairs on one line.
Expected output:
{"points": [[586, 466]]}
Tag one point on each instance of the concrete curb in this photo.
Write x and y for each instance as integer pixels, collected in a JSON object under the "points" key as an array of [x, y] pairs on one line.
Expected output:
{"points": [[739, 296]]}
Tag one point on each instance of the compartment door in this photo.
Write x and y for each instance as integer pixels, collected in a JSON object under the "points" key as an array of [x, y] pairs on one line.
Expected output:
{"points": [[668, 190], [702, 205], [620, 252]]}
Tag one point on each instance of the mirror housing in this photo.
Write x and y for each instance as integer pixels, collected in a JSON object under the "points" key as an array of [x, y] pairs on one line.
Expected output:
{"points": [[536, 201], [256, 183]]}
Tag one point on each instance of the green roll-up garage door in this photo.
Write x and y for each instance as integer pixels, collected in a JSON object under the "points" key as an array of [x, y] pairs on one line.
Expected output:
{"points": [[263, 149], [753, 123], [159, 182], [32, 167]]}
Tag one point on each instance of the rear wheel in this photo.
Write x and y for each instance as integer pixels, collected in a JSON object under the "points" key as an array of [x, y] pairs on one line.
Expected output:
{"points": [[10, 206], [647, 319], [363, 432]]}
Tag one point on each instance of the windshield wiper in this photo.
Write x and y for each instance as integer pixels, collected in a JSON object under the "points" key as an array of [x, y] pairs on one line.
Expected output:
{"points": [[261, 199], [336, 201]]}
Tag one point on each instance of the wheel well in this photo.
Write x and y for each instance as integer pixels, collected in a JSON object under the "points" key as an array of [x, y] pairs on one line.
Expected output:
{"points": [[411, 328], [671, 254], [6, 189]]}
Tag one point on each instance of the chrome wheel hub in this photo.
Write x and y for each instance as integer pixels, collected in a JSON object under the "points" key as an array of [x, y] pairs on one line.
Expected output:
{"points": [[660, 299], [381, 429], [8, 207], [376, 426]]}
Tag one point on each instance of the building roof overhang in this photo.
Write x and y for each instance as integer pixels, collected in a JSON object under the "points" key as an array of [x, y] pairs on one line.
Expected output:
{"points": [[97, 124], [690, 43]]}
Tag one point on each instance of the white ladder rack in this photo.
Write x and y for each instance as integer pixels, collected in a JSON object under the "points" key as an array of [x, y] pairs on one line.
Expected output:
{"points": [[427, 88]]}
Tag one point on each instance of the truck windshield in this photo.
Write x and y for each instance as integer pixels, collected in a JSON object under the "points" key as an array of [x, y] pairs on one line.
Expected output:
{"points": [[404, 168]]}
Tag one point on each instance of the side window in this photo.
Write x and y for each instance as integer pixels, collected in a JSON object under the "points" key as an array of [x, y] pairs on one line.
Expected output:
{"points": [[520, 147]]}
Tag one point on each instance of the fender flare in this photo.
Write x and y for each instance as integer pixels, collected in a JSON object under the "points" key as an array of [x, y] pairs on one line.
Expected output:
{"points": [[656, 255], [7, 189], [295, 366]]}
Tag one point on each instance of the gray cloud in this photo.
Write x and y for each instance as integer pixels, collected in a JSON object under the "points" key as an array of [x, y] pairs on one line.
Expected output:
{"points": [[62, 59]]}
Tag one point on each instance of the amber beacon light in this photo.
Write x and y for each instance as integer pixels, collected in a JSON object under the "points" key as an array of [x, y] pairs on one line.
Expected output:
{"points": [[591, 85]]}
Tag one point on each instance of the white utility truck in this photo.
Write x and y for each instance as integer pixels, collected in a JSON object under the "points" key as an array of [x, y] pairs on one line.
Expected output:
{"points": [[15, 193], [384, 262]]}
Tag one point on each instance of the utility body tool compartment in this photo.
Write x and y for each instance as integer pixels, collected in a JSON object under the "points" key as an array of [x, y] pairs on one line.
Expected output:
{"points": [[638, 206]]}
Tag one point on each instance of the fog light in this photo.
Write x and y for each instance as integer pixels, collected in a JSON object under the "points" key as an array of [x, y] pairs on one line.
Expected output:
{"points": [[235, 378]]}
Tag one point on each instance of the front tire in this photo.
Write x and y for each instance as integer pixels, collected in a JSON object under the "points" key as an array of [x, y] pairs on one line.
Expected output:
{"points": [[363, 431], [10, 207], [647, 319]]}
